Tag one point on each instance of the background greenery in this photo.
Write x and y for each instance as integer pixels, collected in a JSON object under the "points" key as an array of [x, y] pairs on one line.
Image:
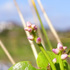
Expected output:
{"points": [[17, 44]]}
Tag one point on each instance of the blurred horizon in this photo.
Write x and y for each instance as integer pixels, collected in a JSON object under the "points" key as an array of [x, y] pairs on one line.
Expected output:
{"points": [[58, 12]]}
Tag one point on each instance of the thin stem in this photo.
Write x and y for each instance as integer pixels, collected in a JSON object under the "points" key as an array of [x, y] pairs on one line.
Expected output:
{"points": [[7, 53], [36, 22], [44, 31], [61, 62], [45, 53], [48, 58]]}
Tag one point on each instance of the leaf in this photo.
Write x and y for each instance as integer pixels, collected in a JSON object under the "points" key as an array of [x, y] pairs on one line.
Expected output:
{"points": [[42, 62], [24, 65]]}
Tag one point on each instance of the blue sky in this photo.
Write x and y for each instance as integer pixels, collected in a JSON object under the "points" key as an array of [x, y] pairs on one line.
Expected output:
{"points": [[58, 11]]}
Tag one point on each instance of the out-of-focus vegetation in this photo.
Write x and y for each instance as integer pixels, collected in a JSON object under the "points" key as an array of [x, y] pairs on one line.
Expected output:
{"points": [[17, 44]]}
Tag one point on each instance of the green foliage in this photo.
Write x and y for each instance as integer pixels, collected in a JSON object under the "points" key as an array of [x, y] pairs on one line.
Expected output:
{"points": [[24, 65], [43, 63]]}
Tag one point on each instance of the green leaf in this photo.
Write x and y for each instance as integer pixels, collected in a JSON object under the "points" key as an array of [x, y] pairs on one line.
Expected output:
{"points": [[42, 62], [24, 65]]}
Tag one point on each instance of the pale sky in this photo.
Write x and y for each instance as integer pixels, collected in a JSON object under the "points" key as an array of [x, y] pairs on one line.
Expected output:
{"points": [[58, 11]]}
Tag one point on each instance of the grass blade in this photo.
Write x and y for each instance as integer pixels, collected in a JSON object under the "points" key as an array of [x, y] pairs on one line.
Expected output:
{"points": [[49, 22], [27, 33], [7, 53], [44, 31]]}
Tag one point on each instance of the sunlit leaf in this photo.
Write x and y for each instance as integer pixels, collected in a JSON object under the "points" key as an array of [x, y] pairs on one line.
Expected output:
{"points": [[24, 65]]}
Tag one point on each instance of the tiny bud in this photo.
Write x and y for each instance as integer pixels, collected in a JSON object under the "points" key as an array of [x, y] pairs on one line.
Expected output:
{"points": [[31, 37], [29, 24], [64, 56], [35, 29], [63, 52], [65, 48], [33, 26], [56, 51], [38, 40], [54, 60], [29, 30], [60, 46]]}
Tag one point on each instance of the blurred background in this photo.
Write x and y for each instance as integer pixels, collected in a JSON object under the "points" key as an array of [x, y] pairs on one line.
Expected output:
{"points": [[13, 35]]}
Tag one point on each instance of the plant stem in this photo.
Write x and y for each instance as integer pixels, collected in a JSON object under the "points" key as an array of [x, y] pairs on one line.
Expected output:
{"points": [[61, 62], [46, 55], [44, 31]]}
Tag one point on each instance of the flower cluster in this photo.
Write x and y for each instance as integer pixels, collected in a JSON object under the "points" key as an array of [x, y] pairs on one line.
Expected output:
{"points": [[31, 28], [60, 49]]}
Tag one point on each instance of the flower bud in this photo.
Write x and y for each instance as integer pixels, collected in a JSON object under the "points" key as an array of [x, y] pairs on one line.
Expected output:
{"points": [[65, 48], [29, 30], [33, 26], [60, 46], [64, 56], [38, 40], [56, 51], [54, 60], [35, 29], [63, 52], [29, 24], [31, 37]]}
